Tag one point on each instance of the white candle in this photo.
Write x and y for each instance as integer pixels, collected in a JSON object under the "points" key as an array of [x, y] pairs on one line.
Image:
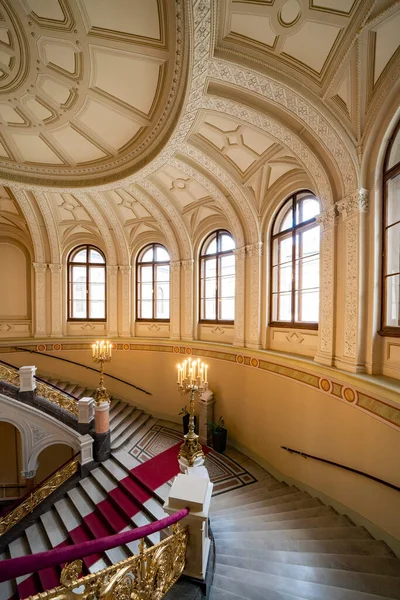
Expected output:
{"points": [[205, 373], [179, 374]]}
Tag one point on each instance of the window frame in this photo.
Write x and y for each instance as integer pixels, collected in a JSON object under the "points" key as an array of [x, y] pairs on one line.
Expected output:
{"points": [[154, 299], [304, 226], [388, 174], [87, 264], [217, 255]]}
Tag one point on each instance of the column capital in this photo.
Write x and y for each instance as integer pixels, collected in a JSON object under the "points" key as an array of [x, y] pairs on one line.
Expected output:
{"points": [[240, 252], [112, 269], [125, 269], [175, 265], [328, 217], [40, 267], [188, 264], [356, 202], [255, 249], [55, 268]]}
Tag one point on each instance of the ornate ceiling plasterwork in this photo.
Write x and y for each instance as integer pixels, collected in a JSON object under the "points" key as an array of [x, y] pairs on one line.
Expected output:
{"points": [[87, 92]]}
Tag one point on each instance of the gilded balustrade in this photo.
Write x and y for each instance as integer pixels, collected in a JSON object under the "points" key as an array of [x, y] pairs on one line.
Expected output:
{"points": [[9, 375], [38, 495], [146, 576]]}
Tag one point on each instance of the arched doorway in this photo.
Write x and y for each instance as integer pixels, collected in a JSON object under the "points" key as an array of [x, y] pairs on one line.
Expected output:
{"points": [[52, 458]]}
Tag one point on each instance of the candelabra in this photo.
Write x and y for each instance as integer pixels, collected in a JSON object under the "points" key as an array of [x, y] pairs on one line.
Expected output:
{"points": [[101, 353], [192, 379]]}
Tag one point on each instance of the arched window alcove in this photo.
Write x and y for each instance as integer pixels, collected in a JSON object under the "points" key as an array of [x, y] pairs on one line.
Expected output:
{"points": [[86, 284], [153, 284]]}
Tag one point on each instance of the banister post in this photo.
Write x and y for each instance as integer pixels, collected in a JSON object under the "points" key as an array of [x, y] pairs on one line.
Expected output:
{"points": [[27, 380], [193, 492], [86, 414], [102, 438]]}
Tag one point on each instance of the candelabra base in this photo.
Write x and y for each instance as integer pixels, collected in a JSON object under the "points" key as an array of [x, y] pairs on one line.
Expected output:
{"points": [[191, 453], [101, 395]]}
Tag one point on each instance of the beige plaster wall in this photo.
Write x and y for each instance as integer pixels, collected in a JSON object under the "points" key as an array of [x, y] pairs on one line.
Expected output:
{"points": [[51, 458], [10, 453], [14, 273], [264, 411]]}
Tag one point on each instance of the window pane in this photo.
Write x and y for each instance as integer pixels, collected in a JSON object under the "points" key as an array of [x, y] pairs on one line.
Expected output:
{"points": [[310, 241], [393, 249], [146, 274], [285, 250], [162, 273], [393, 301], [394, 157], [162, 291], [97, 274], [161, 254], [162, 309], [309, 209], [393, 200], [307, 273], [210, 287], [97, 291], [227, 287], [209, 310], [95, 256], [97, 309], [147, 256], [284, 219], [80, 256], [227, 265], [78, 274], [227, 309], [285, 307], [285, 278], [146, 309], [210, 267], [146, 291], [79, 309], [79, 291], [226, 242], [307, 306], [211, 247]]}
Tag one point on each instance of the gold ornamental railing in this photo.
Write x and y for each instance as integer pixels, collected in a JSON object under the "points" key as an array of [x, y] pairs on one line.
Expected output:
{"points": [[146, 576], [10, 374], [39, 494]]}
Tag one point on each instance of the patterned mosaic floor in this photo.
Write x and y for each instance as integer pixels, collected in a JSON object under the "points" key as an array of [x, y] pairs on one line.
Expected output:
{"points": [[225, 473]]}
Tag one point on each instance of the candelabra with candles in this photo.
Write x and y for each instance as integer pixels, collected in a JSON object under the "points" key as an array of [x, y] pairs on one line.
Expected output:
{"points": [[192, 379], [101, 353]]}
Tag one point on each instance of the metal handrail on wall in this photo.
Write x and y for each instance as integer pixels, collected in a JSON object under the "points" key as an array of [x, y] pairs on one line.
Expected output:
{"points": [[73, 362], [335, 464]]}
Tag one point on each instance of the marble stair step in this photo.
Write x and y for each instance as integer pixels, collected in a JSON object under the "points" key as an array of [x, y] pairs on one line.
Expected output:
{"points": [[119, 421], [70, 388], [247, 494], [272, 520], [384, 585], [115, 409], [245, 514], [61, 384], [145, 426], [129, 432], [364, 547], [54, 527], [248, 490], [19, 547], [126, 460], [79, 391], [233, 512], [327, 528], [244, 580], [360, 564], [218, 593], [260, 496]]}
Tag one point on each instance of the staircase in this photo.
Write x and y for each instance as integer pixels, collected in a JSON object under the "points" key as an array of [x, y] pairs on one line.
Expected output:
{"points": [[275, 542], [125, 420]]}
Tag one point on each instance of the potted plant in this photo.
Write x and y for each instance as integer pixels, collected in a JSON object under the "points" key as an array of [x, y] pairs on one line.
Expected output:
{"points": [[219, 433], [185, 414]]}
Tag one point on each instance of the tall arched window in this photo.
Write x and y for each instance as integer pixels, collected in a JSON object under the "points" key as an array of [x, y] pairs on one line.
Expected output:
{"points": [[87, 284], [217, 278], [152, 284], [391, 237], [295, 263]]}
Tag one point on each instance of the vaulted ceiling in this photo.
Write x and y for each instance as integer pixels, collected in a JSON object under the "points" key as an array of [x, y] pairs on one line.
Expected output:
{"points": [[127, 121]]}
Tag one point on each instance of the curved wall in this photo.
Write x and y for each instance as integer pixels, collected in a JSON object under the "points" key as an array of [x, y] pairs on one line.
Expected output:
{"points": [[269, 400]]}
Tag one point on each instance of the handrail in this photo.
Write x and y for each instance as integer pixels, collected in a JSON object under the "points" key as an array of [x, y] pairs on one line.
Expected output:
{"points": [[335, 464], [27, 503], [73, 362], [3, 362], [16, 567]]}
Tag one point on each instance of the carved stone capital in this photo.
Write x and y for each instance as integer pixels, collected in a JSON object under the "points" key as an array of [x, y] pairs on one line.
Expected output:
{"points": [[240, 252], [125, 269], [188, 264], [112, 270], [175, 266], [55, 268], [328, 217], [255, 249], [40, 267], [357, 202]]}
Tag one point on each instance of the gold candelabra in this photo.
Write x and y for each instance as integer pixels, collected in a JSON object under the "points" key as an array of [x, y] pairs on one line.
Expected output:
{"points": [[101, 353], [192, 379]]}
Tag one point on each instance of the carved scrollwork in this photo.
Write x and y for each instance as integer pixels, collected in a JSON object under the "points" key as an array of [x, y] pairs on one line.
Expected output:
{"points": [[46, 391]]}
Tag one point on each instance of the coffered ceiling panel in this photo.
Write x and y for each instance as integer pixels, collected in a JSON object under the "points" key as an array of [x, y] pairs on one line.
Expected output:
{"points": [[89, 82]]}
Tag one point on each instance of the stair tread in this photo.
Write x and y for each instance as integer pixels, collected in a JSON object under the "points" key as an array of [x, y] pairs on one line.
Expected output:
{"points": [[325, 532], [126, 435], [246, 514], [119, 419], [294, 496], [254, 522], [55, 530], [259, 497], [217, 593]]}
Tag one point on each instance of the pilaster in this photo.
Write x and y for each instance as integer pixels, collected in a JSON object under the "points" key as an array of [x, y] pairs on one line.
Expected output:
{"points": [[254, 257], [326, 328], [175, 304], [125, 271], [56, 300], [112, 295], [188, 265], [353, 210], [40, 299], [240, 273]]}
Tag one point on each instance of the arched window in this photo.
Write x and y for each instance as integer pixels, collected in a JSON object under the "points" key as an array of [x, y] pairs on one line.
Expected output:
{"points": [[152, 283], [217, 278], [87, 284], [295, 263], [391, 237]]}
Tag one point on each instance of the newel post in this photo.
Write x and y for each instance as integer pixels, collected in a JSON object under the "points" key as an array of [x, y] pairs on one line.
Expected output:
{"points": [[102, 439], [193, 492]]}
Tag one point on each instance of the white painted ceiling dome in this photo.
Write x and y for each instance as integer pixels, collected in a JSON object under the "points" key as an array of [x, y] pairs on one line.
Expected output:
{"points": [[89, 89]]}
